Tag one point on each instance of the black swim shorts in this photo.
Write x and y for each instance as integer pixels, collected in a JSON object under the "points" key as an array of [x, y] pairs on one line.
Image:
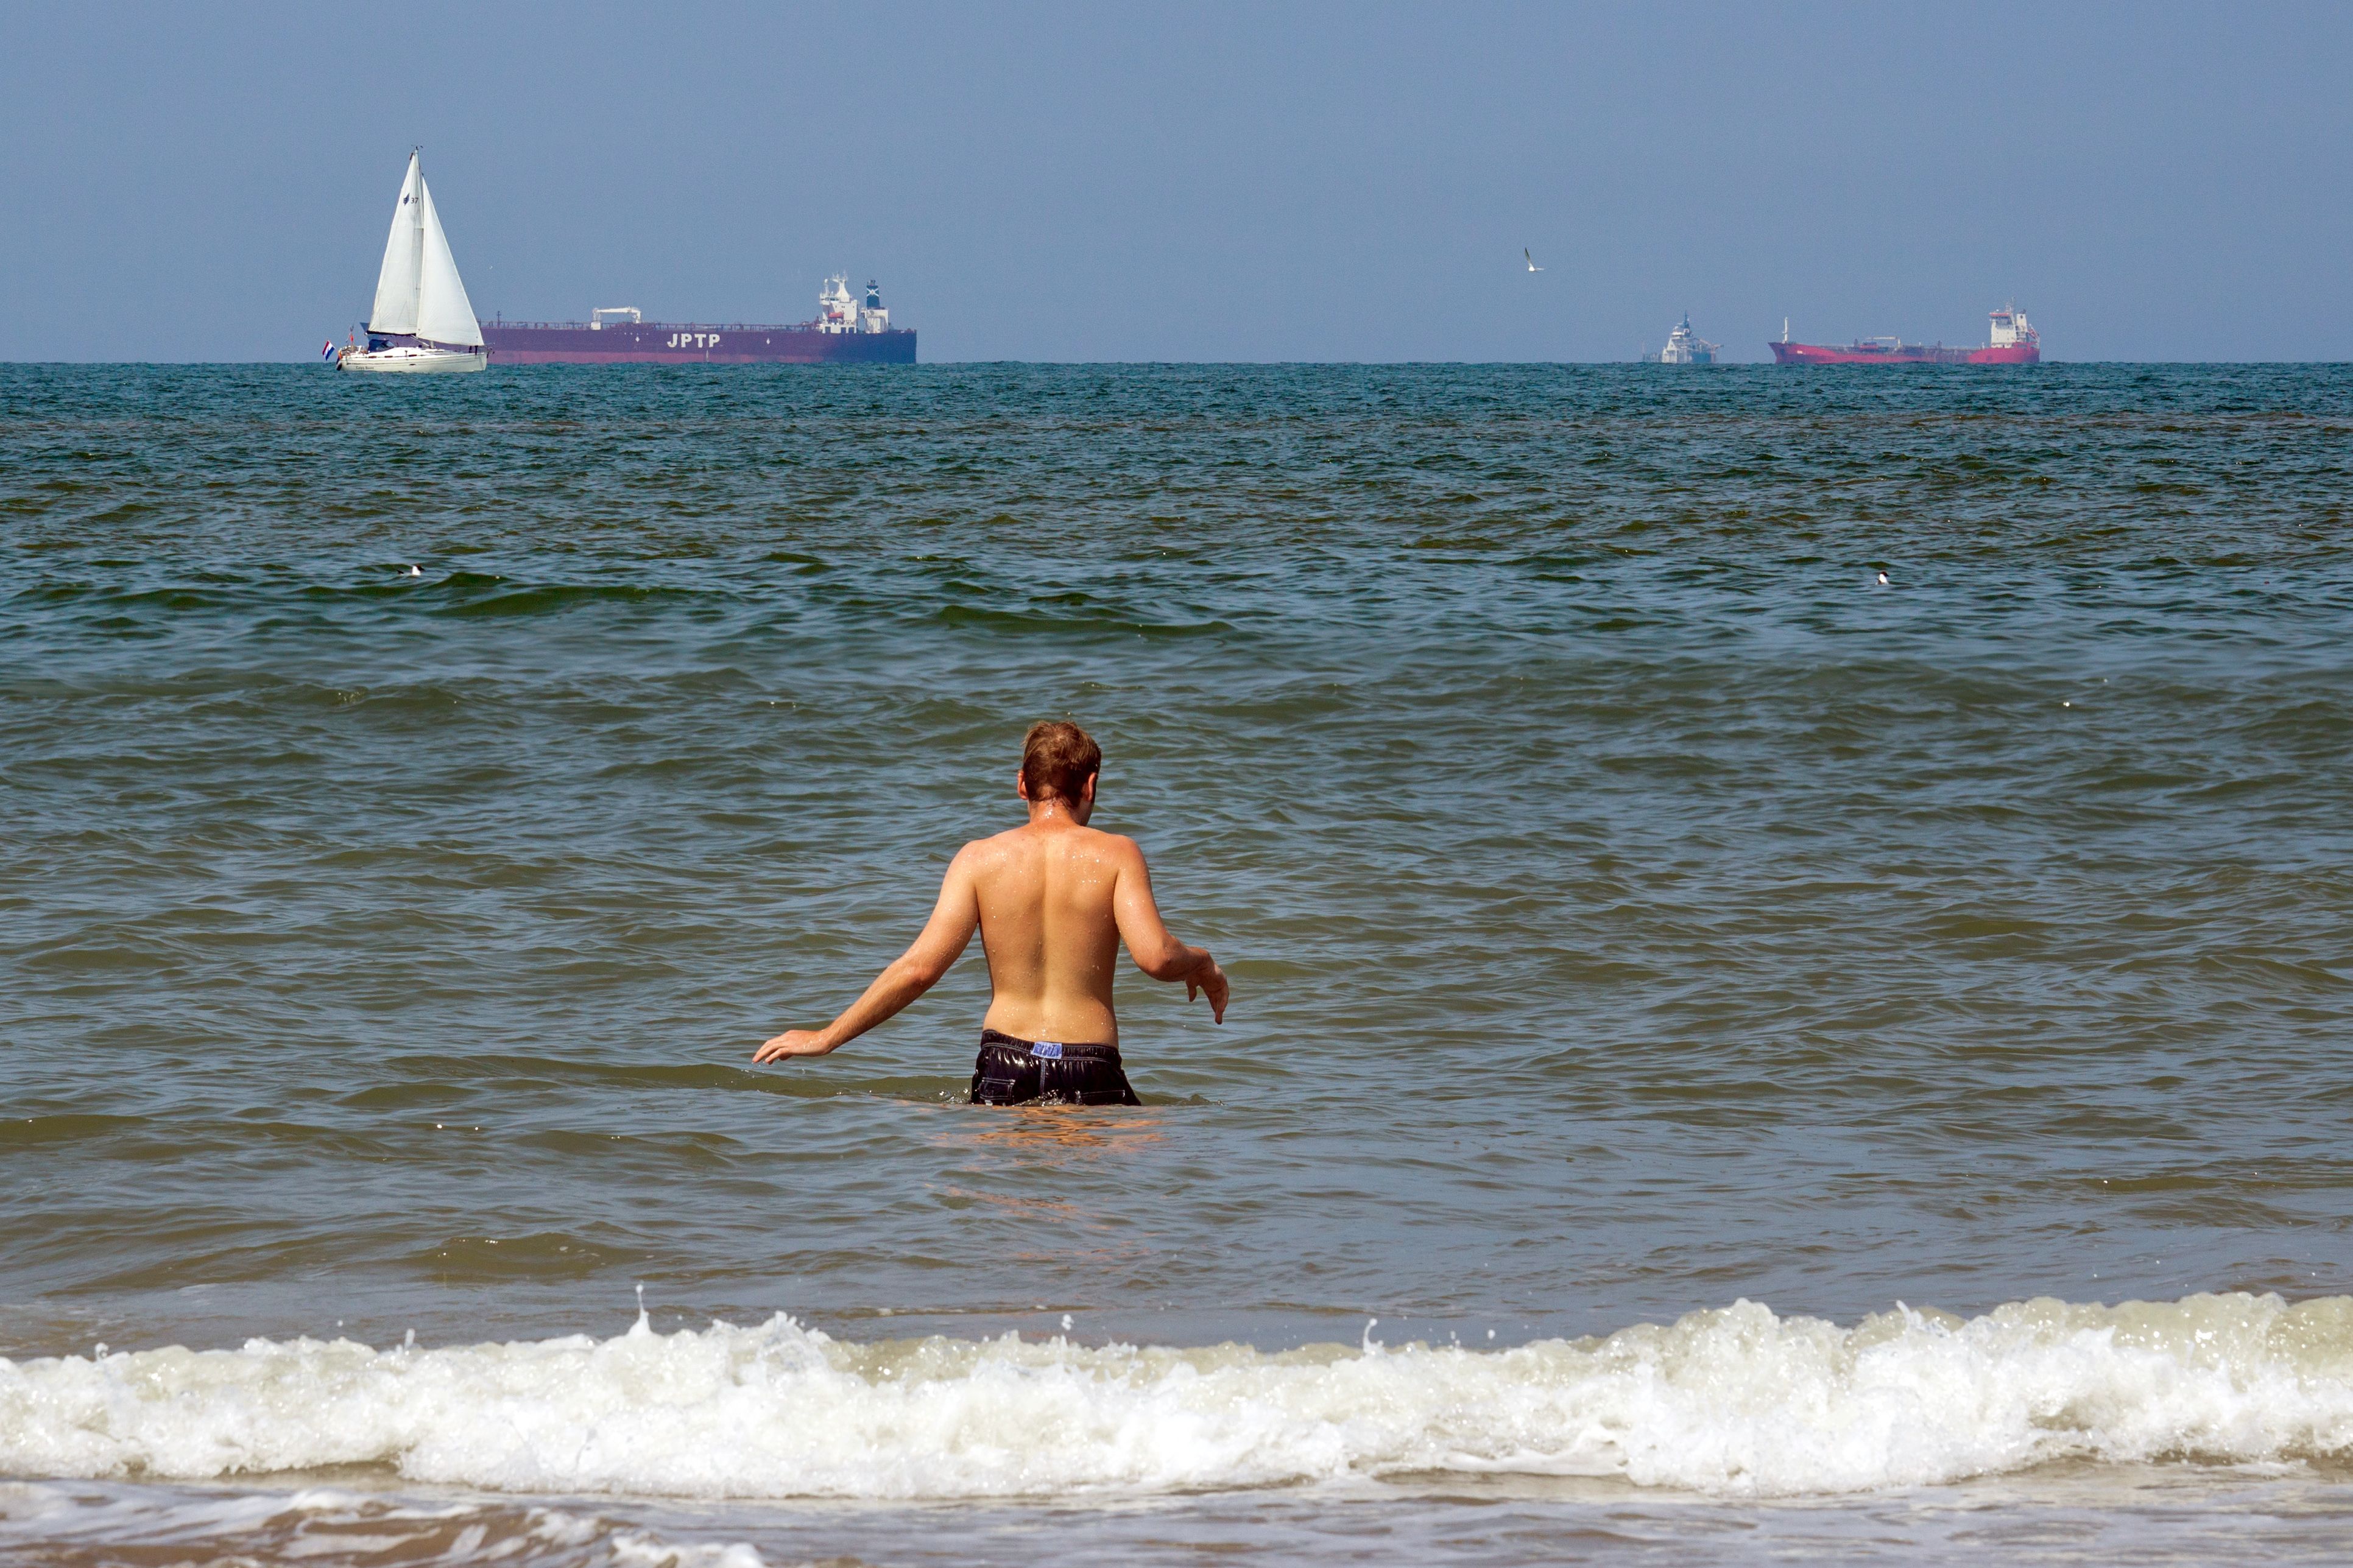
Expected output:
{"points": [[1014, 1072]]}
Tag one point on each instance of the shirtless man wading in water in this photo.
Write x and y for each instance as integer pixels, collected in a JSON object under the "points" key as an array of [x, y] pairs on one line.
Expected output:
{"points": [[1052, 901]]}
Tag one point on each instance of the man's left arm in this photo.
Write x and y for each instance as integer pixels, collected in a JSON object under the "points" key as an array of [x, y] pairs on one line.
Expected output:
{"points": [[943, 939]]}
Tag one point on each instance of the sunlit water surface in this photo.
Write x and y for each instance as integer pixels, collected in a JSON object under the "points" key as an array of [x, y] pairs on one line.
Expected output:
{"points": [[422, 796]]}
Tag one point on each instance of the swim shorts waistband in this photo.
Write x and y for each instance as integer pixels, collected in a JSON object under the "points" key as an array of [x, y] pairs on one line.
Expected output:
{"points": [[1049, 1050]]}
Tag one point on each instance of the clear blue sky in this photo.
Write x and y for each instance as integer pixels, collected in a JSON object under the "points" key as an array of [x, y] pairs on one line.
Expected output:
{"points": [[1245, 182]]}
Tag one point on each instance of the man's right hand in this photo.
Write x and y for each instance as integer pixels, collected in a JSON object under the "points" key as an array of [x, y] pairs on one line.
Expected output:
{"points": [[1212, 980]]}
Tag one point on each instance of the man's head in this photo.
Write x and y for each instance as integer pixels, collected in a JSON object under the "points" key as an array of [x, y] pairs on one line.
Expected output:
{"points": [[1059, 762]]}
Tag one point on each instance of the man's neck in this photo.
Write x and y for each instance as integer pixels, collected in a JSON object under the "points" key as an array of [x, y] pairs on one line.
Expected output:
{"points": [[1054, 812]]}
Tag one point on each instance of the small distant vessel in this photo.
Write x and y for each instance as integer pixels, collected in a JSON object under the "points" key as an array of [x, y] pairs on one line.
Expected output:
{"points": [[422, 320], [2012, 341], [1685, 347]]}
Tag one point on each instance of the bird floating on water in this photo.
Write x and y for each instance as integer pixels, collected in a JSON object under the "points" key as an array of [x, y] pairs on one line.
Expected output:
{"points": [[419, 571], [1531, 261], [1883, 579]]}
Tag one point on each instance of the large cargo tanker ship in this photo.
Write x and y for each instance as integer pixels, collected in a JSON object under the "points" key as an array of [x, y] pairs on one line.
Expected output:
{"points": [[2011, 341], [845, 333]]}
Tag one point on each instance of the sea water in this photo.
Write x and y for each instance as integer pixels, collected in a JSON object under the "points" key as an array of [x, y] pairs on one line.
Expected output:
{"points": [[1732, 1059]]}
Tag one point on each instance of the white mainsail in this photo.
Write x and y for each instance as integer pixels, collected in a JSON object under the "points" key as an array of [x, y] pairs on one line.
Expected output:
{"points": [[419, 292], [444, 314], [396, 285]]}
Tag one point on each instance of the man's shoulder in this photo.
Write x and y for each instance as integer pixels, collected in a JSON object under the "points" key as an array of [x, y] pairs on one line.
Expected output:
{"points": [[1026, 840], [993, 847], [1117, 844]]}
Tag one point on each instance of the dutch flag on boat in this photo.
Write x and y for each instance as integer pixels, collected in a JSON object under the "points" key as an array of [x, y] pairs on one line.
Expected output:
{"points": [[328, 350]]}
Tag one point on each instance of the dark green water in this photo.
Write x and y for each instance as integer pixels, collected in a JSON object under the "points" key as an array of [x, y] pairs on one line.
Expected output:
{"points": [[1634, 907]]}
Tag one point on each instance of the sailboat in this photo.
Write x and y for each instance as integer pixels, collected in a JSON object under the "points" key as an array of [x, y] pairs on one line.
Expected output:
{"points": [[422, 320]]}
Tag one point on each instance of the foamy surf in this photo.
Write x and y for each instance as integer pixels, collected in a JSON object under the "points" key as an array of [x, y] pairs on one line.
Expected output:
{"points": [[1736, 1401]]}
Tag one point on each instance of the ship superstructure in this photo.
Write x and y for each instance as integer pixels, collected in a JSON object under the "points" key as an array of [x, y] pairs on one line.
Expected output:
{"points": [[1685, 347], [846, 331], [2011, 341], [838, 312]]}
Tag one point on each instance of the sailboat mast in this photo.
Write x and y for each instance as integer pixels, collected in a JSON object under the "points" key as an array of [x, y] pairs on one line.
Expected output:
{"points": [[416, 234]]}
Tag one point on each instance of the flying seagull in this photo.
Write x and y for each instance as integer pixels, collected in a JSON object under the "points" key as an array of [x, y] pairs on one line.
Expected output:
{"points": [[1532, 260]]}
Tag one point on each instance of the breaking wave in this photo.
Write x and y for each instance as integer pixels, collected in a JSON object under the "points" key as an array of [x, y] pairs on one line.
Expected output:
{"points": [[1736, 1401]]}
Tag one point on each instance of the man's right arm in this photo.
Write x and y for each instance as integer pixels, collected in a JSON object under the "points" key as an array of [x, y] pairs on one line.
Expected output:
{"points": [[942, 939], [1157, 952]]}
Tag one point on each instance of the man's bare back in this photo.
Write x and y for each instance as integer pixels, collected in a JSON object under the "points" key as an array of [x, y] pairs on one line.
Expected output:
{"points": [[1052, 900]]}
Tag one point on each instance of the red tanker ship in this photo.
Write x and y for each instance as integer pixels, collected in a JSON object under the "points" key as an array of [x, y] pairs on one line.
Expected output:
{"points": [[2013, 342]]}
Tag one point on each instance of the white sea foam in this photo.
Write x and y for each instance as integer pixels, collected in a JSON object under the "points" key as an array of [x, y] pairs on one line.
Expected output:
{"points": [[1733, 1401]]}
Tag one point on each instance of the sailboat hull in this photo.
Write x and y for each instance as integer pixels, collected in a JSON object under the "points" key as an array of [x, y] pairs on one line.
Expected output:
{"points": [[403, 359]]}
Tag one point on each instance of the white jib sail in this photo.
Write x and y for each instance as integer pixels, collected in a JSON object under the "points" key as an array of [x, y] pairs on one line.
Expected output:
{"points": [[396, 285], [444, 314]]}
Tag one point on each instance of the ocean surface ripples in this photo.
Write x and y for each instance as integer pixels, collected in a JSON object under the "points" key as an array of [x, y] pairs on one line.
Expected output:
{"points": [[421, 798]]}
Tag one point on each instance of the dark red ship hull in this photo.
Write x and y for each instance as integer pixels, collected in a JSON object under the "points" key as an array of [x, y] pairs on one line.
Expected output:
{"points": [[657, 342], [1904, 353]]}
